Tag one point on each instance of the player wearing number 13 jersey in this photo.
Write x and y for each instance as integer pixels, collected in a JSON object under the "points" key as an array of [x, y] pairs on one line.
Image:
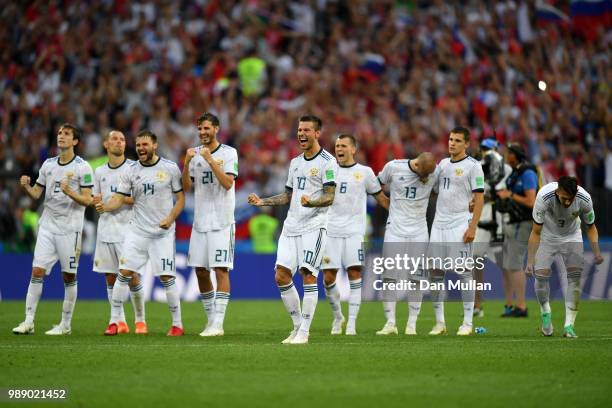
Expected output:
{"points": [[410, 183]]}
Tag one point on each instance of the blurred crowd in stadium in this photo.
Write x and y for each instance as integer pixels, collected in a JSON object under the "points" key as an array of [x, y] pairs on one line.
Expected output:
{"points": [[397, 74]]}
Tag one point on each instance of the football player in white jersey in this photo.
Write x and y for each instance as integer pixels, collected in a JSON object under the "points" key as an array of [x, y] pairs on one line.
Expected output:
{"points": [[153, 182], [460, 180], [67, 180], [410, 184], [559, 210], [346, 227], [111, 231], [310, 189], [212, 168]]}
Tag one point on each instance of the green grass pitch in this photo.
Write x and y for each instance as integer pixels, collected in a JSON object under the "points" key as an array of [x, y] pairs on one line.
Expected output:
{"points": [[510, 365]]}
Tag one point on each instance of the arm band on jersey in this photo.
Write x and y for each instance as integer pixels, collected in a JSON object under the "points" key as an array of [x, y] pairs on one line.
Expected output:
{"points": [[125, 194], [177, 191], [376, 193], [90, 186], [42, 185], [288, 188], [381, 183], [478, 190], [539, 223], [192, 179], [233, 174], [330, 183]]}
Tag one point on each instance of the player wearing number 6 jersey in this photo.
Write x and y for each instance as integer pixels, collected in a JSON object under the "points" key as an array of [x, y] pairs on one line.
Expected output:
{"points": [[212, 168], [560, 208], [310, 188], [410, 183], [346, 229], [152, 182], [67, 180], [459, 181]]}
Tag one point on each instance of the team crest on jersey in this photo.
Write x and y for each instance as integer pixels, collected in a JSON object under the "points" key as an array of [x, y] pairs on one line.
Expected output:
{"points": [[103, 179], [69, 174], [219, 162], [358, 176], [161, 176], [458, 172], [122, 261], [314, 172], [326, 259], [575, 214], [97, 262], [424, 180]]}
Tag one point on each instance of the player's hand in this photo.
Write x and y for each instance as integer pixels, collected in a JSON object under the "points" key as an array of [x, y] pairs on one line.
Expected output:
{"points": [[166, 223], [305, 201], [598, 259], [469, 235], [65, 187], [97, 198], [24, 181], [205, 153], [255, 200], [99, 207], [191, 152], [529, 270], [503, 194], [471, 205]]}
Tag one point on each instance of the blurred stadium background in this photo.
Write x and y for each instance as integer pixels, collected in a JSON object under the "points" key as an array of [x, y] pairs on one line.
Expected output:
{"points": [[397, 74]]}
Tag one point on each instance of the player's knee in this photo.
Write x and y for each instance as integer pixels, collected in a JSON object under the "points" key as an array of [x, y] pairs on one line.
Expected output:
{"points": [[69, 277], [282, 277], [110, 279], [38, 273], [202, 273], [329, 277], [354, 273], [135, 280], [309, 278], [166, 278]]}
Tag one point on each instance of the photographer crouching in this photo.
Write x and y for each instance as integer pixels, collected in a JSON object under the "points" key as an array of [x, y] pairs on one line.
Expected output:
{"points": [[517, 201]]}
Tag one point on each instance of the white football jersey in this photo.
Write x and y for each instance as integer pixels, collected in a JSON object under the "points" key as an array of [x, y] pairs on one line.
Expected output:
{"points": [[307, 177], [347, 215], [562, 224], [61, 214], [409, 196], [214, 205], [456, 183], [153, 188], [111, 225]]}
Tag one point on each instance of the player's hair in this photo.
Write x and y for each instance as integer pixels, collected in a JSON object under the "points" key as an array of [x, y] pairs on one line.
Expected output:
{"points": [[76, 132], [464, 131], [318, 124], [147, 133], [350, 137], [209, 117], [108, 135], [568, 184]]}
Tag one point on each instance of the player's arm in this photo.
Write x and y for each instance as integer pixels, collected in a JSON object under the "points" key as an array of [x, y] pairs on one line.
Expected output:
{"points": [[593, 236], [532, 246], [83, 197], [279, 199], [326, 199], [113, 204], [226, 180], [382, 200], [185, 176], [478, 198], [176, 210], [34, 191], [128, 200]]}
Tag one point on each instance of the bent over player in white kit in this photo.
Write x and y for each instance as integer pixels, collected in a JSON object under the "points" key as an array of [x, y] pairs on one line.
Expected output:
{"points": [[558, 212], [410, 185], [67, 180], [346, 228], [460, 180], [310, 188], [212, 168], [111, 231], [153, 181]]}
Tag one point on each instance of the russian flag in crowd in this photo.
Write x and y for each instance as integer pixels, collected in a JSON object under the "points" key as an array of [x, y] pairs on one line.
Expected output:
{"points": [[547, 13], [589, 15]]}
